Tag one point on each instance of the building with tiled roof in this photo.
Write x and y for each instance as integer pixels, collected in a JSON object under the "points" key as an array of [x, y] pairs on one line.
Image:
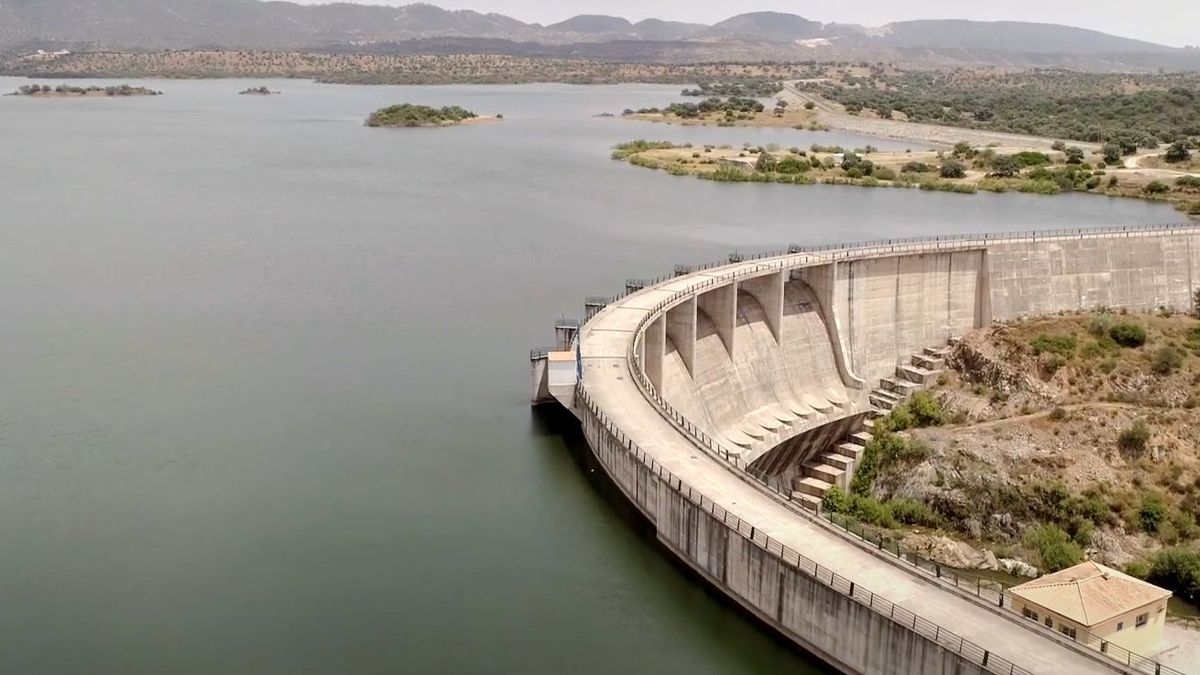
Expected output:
{"points": [[1092, 603]]}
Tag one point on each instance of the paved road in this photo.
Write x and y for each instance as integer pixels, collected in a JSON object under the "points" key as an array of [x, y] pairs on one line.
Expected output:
{"points": [[604, 344]]}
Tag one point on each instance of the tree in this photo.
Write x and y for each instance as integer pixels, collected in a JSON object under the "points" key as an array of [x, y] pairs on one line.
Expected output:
{"points": [[1059, 146], [809, 105], [1178, 152], [1055, 548], [963, 149], [1112, 153], [1074, 155], [952, 168], [766, 163], [1177, 569]]}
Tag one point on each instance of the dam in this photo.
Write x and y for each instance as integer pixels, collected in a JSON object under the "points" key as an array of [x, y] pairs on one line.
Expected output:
{"points": [[725, 400]]}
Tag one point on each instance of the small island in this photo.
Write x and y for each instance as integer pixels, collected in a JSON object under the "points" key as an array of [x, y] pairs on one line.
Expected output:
{"points": [[408, 115], [258, 91], [64, 91]]}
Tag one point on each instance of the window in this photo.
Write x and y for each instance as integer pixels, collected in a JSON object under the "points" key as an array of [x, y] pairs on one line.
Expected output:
{"points": [[1120, 626], [1029, 614], [1142, 619], [1067, 630], [1049, 622]]}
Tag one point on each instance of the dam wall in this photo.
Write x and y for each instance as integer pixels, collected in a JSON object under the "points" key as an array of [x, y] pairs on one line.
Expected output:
{"points": [[764, 359], [845, 625], [698, 390]]}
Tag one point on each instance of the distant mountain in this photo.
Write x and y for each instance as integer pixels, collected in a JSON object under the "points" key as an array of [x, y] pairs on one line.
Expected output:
{"points": [[666, 31], [593, 23], [771, 26], [1006, 36], [26, 25]]}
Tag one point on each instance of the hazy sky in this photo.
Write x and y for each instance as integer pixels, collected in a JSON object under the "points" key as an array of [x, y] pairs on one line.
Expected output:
{"points": [[1173, 22]]}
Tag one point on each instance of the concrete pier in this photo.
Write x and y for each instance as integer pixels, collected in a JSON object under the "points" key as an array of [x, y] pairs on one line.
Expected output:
{"points": [[687, 382]]}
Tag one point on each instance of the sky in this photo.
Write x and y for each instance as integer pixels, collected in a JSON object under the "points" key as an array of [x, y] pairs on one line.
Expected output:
{"points": [[1170, 22]]}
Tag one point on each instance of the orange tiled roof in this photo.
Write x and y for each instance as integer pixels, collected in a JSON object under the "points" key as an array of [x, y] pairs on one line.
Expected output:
{"points": [[1090, 593]]}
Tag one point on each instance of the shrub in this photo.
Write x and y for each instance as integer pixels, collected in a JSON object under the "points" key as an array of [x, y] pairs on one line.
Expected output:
{"points": [[952, 168], [1152, 512], [1156, 187], [624, 150], [912, 512], [916, 167], [868, 510], [836, 500], [1133, 440], [1177, 570], [1053, 344], [1167, 360], [1058, 414], [1030, 158], [926, 410], [792, 165], [766, 163], [884, 173], [1128, 334], [1074, 155], [1055, 548]]}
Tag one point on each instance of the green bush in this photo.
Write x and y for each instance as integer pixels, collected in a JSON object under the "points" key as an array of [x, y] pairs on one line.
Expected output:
{"points": [[1128, 334], [952, 168], [916, 167], [1064, 345], [911, 512], [1152, 512], [1156, 187], [1031, 158], [766, 163], [1178, 570], [836, 500], [926, 410], [1167, 360], [868, 510], [1133, 440], [884, 173], [1055, 548], [792, 165], [624, 150]]}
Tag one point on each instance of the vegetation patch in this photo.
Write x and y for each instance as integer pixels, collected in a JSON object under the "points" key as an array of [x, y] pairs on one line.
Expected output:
{"points": [[410, 115]]}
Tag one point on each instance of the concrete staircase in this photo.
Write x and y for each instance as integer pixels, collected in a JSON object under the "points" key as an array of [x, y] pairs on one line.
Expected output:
{"points": [[921, 371], [836, 467]]}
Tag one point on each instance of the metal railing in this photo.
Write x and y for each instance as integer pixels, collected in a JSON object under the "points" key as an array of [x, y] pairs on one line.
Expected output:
{"points": [[596, 422], [798, 255]]}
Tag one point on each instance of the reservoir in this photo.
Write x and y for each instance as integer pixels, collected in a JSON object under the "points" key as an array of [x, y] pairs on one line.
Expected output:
{"points": [[265, 401]]}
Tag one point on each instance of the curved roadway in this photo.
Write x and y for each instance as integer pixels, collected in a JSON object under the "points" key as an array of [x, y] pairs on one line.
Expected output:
{"points": [[605, 342]]}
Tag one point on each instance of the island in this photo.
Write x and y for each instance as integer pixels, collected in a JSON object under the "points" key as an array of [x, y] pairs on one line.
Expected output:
{"points": [[257, 91], [408, 115], [64, 91]]}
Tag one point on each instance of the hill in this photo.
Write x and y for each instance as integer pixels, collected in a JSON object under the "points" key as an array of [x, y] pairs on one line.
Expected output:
{"points": [[93, 25]]}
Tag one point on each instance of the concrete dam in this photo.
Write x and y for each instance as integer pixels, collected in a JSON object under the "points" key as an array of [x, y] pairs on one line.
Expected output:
{"points": [[724, 401]]}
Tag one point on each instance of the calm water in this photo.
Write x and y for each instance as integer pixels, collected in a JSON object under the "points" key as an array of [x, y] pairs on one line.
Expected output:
{"points": [[265, 380]]}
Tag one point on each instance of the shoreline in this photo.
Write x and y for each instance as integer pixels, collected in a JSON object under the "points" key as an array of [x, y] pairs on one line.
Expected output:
{"points": [[890, 170]]}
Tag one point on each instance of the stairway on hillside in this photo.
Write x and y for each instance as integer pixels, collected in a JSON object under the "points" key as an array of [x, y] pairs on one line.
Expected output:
{"points": [[836, 467]]}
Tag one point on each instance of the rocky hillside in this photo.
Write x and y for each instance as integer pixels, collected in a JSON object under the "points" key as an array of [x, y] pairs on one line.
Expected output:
{"points": [[1048, 441]]}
